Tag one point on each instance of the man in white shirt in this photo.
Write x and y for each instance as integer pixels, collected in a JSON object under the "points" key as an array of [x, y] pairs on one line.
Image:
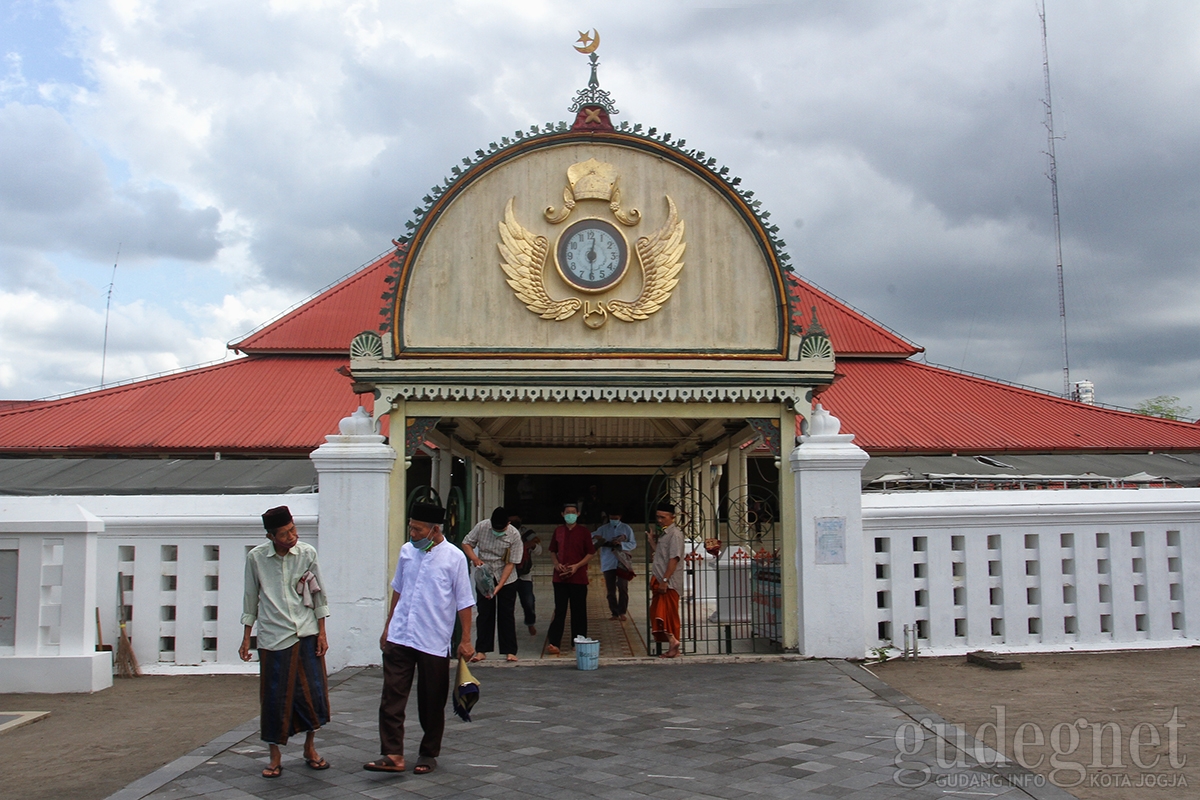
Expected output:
{"points": [[431, 587]]}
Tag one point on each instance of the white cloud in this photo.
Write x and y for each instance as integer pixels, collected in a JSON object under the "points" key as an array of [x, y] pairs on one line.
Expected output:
{"points": [[276, 146]]}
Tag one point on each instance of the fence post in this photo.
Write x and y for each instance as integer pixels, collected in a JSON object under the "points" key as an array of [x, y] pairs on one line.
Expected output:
{"points": [[353, 469], [831, 557], [51, 573]]}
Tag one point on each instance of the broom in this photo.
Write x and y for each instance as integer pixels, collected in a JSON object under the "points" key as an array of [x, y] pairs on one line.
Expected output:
{"points": [[127, 663]]}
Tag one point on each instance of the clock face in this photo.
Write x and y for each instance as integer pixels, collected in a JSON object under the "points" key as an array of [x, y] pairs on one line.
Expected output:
{"points": [[592, 255]]}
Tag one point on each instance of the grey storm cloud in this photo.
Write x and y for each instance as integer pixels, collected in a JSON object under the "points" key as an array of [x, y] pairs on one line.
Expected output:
{"points": [[56, 195], [898, 145]]}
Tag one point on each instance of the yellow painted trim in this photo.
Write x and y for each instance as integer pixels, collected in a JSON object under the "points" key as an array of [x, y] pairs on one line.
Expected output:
{"points": [[397, 489], [789, 533]]}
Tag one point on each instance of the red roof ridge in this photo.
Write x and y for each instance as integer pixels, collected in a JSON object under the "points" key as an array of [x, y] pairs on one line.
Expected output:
{"points": [[906, 406], [118, 387], [227, 407], [246, 343], [1046, 393], [885, 327]]}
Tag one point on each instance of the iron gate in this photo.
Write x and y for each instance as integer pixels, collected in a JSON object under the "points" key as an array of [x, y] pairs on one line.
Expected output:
{"points": [[732, 599]]}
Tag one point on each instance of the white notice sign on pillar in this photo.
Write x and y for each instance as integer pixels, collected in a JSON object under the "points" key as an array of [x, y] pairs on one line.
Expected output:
{"points": [[831, 540]]}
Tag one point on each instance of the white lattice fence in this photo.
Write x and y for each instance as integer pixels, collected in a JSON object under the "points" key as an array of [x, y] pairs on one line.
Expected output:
{"points": [[1070, 569], [183, 559]]}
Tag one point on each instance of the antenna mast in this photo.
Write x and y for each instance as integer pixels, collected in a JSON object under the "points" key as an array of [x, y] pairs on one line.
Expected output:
{"points": [[107, 308], [1052, 174]]}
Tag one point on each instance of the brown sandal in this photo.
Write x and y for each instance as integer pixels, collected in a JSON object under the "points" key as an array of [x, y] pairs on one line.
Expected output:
{"points": [[383, 764], [273, 772]]}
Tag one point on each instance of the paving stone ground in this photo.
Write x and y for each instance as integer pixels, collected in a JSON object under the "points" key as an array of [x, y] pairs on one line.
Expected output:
{"points": [[719, 729]]}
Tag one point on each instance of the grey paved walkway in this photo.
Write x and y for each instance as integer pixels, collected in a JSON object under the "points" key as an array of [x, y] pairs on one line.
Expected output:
{"points": [[665, 730]]}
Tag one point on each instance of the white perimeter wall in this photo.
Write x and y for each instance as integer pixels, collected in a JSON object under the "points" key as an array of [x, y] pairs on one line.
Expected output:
{"points": [[187, 558], [1073, 569], [1017, 571]]}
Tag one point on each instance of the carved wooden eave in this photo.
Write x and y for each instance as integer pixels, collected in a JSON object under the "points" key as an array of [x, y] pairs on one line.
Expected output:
{"points": [[597, 381]]}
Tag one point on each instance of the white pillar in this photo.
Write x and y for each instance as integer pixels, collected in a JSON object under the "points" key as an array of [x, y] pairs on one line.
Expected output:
{"points": [[831, 557], [54, 639], [353, 470]]}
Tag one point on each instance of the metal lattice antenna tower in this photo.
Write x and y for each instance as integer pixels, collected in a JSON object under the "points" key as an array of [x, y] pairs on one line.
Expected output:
{"points": [[107, 308], [1052, 174]]}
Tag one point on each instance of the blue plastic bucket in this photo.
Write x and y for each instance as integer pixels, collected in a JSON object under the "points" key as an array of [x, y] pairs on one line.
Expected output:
{"points": [[587, 654]]}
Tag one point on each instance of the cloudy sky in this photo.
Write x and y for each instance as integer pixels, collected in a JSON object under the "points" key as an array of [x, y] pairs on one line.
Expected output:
{"points": [[244, 155]]}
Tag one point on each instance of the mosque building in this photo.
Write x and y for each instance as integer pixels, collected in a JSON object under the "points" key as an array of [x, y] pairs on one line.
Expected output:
{"points": [[588, 311], [725, 303]]}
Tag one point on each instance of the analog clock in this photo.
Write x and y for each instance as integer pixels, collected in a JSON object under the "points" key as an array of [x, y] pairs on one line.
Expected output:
{"points": [[592, 255]]}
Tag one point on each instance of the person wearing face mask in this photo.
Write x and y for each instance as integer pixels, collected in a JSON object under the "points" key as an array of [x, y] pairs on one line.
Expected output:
{"points": [[611, 538], [571, 549], [431, 587], [284, 596], [495, 546]]}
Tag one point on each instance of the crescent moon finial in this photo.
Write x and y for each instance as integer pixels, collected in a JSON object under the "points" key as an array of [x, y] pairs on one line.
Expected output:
{"points": [[588, 42]]}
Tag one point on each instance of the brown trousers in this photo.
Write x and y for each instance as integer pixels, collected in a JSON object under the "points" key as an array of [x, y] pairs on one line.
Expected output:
{"points": [[433, 687]]}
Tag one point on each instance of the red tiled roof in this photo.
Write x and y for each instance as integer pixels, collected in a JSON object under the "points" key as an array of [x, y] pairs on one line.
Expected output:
{"points": [[261, 405], [891, 404], [326, 323], [9, 405], [851, 332], [896, 406]]}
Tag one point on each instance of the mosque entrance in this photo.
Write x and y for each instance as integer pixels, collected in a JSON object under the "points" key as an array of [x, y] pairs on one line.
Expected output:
{"points": [[721, 473]]}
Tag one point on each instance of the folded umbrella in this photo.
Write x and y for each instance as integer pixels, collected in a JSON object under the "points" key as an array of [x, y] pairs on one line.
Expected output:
{"points": [[466, 690]]}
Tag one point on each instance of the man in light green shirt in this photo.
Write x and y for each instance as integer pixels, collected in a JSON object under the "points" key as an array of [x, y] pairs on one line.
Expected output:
{"points": [[284, 596]]}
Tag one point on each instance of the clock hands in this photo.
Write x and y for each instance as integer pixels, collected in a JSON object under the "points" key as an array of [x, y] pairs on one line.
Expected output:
{"points": [[591, 257]]}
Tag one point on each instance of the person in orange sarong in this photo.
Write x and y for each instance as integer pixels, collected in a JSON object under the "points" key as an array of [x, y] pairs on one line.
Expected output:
{"points": [[666, 579]]}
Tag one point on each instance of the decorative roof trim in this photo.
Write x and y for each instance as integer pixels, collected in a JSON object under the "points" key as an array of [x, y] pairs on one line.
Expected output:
{"points": [[593, 95], [390, 393]]}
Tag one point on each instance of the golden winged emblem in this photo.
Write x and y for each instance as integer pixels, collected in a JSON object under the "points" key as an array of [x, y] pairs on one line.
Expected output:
{"points": [[661, 256], [525, 256]]}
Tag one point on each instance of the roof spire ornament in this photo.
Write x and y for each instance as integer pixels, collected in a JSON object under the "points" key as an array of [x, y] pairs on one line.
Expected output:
{"points": [[593, 105]]}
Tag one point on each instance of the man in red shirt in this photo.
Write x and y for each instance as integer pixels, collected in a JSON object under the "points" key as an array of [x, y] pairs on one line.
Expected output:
{"points": [[571, 549]]}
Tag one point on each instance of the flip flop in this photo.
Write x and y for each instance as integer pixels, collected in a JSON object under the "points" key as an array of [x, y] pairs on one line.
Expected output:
{"points": [[425, 765], [317, 763], [510, 658], [383, 764], [273, 772], [475, 659]]}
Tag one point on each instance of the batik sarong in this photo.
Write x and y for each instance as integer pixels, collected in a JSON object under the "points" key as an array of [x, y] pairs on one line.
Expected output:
{"points": [[293, 691], [664, 612]]}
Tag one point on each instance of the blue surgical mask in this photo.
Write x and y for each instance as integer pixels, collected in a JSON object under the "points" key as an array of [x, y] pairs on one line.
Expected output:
{"points": [[422, 544], [498, 534], [570, 518]]}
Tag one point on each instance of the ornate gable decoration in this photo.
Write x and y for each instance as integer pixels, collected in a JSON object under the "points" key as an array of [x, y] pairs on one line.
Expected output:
{"points": [[591, 254], [525, 255]]}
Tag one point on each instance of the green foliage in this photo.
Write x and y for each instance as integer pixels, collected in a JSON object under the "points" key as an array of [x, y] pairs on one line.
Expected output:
{"points": [[881, 654], [1165, 406]]}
